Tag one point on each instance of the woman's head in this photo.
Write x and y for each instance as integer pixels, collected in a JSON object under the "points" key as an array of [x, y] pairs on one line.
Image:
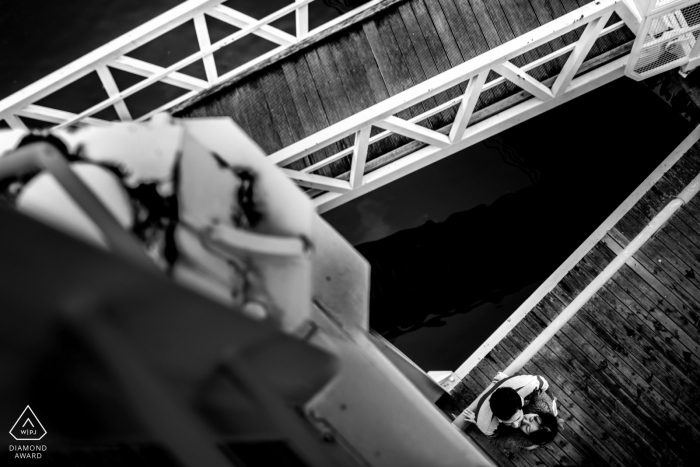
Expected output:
{"points": [[541, 427]]}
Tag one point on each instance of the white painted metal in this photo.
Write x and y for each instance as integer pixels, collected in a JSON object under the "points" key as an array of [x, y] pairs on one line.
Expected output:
{"points": [[359, 156], [521, 79], [445, 80], [318, 182], [583, 46], [114, 55], [241, 20], [575, 257], [666, 37], [200, 26], [474, 134], [141, 68], [105, 54], [461, 135], [436, 110], [414, 131], [302, 21], [47, 114], [15, 123], [654, 225], [112, 90], [184, 62], [469, 100]]}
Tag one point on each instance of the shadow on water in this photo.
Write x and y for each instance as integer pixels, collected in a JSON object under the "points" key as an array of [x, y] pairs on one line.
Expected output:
{"points": [[585, 158]]}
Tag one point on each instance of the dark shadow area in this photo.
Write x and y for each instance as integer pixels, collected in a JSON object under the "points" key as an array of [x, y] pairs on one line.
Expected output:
{"points": [[590, 154]]}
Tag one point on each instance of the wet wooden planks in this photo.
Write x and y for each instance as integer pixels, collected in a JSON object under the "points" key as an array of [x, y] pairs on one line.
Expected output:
{"points": [[626, 367], [378, 57]]}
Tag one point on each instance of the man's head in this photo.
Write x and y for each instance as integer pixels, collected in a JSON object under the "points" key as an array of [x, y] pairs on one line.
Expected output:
{"points": [[506, 405]]}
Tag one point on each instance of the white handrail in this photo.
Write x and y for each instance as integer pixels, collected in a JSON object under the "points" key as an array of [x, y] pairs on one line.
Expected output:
{"points": [[383, 115], [113, 55], [599, 281], [446, 80]]}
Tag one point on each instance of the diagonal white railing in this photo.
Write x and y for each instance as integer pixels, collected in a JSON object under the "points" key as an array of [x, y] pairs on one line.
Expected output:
{"points": [[113, 55], [565, 87]]}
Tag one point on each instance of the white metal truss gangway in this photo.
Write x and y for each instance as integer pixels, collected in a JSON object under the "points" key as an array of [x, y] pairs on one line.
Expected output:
{"points": [[679, 20]]}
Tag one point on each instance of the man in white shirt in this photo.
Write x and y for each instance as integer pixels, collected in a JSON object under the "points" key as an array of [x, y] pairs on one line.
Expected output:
{"points": [[501, 403]]}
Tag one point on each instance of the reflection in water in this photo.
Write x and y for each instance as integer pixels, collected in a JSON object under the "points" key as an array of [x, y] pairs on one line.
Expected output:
{"points": [[421, 275]]}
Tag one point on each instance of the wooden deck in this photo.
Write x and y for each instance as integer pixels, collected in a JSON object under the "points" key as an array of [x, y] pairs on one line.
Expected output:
{"points": [[626, 367], [399, 46]]}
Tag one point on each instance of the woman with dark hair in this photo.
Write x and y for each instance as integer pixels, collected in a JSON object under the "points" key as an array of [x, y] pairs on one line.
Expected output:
{"points": [[539, 425]]}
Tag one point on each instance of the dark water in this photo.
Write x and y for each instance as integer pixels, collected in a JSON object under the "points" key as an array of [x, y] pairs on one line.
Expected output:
{"points": [[488, 225]]}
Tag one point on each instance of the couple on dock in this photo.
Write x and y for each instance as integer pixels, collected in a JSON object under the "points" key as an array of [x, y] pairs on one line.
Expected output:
{"points": [[515, 412]]}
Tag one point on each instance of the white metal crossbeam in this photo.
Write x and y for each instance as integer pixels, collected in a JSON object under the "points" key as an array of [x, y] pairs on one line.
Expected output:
{"points": [[478, 132], [47, 114], [414, 131], [444, 81], [583, 46], [15, 122], [359, 156], [521, 79], [112, 90], [200, 26], [118, 47], [466, 108], [240, 20], [318, 182], [302, 21], [141, 68], [186, 61]]}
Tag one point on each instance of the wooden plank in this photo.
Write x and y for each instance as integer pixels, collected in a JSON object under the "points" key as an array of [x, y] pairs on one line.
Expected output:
{"points": [[522, 19], [483, 37], [664, 278], [549, 10], [670, 256], [389, 58], [590, 427], [670, 335], [359, 47], [427, 61], [248, 107], [663, 334], [627, 329], [658, 293], [449, 43], [333, 98], [594, 371], [468, 42], [435, 52], [617, 422], [356, 83], [309, 110], [412, 61], [671, 422], [580, 332], [271, 87]]}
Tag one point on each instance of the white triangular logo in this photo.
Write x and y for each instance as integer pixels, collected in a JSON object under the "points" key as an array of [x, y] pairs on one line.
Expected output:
{"points": [[21, 432]]}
